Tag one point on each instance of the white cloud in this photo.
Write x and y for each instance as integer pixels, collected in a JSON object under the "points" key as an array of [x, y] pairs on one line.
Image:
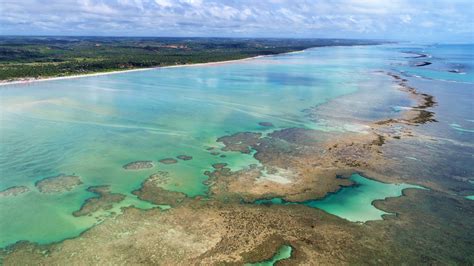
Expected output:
{"points": [[192, 2], [164, 3], [427, 24], [306, 18], [97, 7], [405, 18], [223, 12], [132, 3]]}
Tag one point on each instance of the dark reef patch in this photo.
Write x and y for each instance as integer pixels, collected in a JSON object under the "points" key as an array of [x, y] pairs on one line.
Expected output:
{"points": [[137, 165], [379, 141], [152, 191], [14, 191], [421, 64], [219, 165], [184, 157], [265, 124], [168, 161], [58, 184], [415, 54], [103, 201], [240, 142], [160, 178], [418, 114]]}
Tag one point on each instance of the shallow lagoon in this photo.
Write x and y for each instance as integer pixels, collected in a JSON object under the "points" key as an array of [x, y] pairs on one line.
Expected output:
{"points": [[92, 126], [353, 203]]}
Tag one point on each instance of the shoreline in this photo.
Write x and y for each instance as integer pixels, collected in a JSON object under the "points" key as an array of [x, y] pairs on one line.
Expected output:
{"points": [[24, 81], [241, 215]]}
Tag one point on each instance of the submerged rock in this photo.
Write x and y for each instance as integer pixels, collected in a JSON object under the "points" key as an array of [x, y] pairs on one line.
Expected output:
{"points": [[184, 157], [219, 165], [159, 178], [152, 191], [240, 142], [58, 184], [104, 200], [137, 165], [426, 63], [266, 124], [168, 161], [14, 191], [379, 141]]}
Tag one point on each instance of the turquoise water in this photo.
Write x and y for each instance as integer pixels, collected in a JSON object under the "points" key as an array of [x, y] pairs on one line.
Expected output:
{"points": [[354, 203], [92, 126], [283, 253], [448, 62], [471, 197]]}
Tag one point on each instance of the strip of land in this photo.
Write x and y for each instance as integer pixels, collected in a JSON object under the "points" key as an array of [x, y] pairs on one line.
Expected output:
{"points": [[26, 59], [37, 79]]}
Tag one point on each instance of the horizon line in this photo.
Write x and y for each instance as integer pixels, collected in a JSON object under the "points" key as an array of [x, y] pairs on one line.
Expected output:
{"points": [[199, 37]]}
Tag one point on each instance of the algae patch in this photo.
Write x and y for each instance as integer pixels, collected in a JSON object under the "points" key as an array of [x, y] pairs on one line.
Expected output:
{"points": [[184, 157], [168, 161], [103, 201], [14, 191], [137, 165], [58, 184]]}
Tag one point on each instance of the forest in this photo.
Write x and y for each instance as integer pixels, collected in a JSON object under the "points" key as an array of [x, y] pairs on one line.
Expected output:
{"points": [[41, 57]]}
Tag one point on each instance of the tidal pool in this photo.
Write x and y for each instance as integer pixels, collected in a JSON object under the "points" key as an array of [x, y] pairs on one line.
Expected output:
{"points": [[353, 203], [283, 253]]}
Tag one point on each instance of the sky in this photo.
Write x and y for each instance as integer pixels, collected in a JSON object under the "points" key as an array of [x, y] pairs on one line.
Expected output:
{"points": [[416, 20]]}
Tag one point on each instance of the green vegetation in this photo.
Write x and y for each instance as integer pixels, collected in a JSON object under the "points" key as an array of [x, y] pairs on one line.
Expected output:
{"points": [[35, 57]]}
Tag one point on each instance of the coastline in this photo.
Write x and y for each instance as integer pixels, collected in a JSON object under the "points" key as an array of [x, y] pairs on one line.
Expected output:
{"points": [[23, 81], [229, 214], [220, 221]]}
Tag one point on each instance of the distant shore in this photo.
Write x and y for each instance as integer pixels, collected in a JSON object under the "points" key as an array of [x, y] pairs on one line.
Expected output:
{"points": [[31, 80]]}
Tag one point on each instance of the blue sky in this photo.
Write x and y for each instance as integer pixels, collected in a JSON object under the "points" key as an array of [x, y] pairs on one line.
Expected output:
{"points": [[419, 20]]}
